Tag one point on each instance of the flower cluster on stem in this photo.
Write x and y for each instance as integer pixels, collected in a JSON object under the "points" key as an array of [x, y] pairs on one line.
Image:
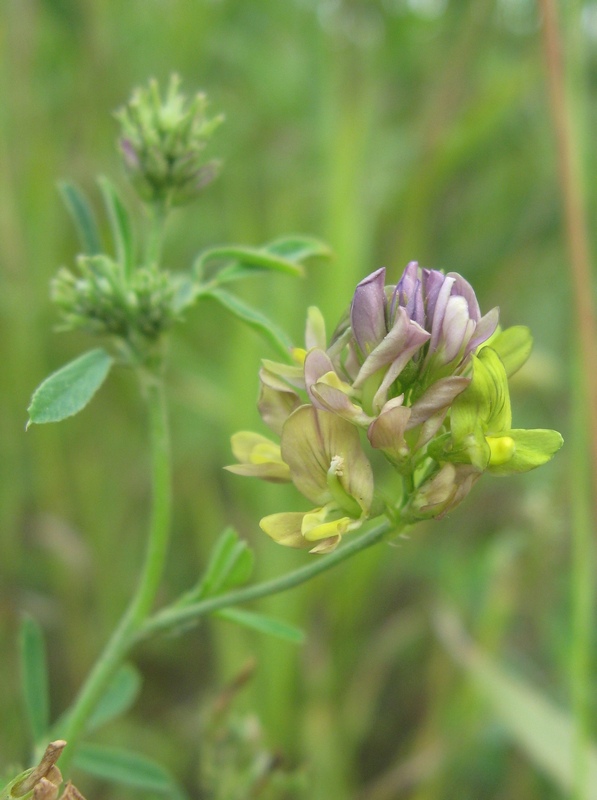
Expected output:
{"points": [[413, 371]]}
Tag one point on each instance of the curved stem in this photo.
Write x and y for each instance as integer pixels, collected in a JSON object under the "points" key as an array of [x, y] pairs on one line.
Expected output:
{"points": [[181, 615], [124, 636]]}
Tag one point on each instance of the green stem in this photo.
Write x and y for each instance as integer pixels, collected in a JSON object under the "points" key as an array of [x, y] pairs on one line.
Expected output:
{"points": [[155, 240], [125, 634], [175, 616]]}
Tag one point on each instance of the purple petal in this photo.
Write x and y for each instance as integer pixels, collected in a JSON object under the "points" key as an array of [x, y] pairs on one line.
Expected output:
{"points": [[367, 313], [485, 328], [397, 348], [433, 280], [439, 310], [457, 329], [317, 364], [438, 397], [409, 294], [463, 288]]}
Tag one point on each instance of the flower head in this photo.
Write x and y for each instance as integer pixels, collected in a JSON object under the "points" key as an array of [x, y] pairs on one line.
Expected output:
{"points": [[162, 143], [413, 371]]}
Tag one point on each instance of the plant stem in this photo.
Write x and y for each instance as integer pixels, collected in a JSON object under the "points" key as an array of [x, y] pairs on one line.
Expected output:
{"points": [[176, 615], [124, 636], [157, 228]]}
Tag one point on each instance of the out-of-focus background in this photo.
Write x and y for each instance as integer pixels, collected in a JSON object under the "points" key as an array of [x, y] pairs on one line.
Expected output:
{"points": [[394, 130]]}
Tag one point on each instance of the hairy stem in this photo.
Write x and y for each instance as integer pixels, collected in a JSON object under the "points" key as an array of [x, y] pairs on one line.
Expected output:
{"points": [[124, 636]]}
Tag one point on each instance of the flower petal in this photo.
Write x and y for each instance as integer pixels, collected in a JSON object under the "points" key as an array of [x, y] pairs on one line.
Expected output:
{"points": [[367, 313], [315, 335], [276, 400], [387, 431], [397, 348], [311, 438], [532, 448], [285, 528], [259, 457]]}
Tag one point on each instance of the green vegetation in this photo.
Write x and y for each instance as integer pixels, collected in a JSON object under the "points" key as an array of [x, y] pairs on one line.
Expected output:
{"points": [[455, 664]]}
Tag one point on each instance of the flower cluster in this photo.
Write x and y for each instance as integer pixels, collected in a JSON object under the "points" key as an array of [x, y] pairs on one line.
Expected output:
{"points": [[102, 299], [413, 371], [162, 144]]}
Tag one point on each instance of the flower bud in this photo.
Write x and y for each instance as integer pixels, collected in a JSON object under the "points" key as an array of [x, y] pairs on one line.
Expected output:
{"points": [[162, 144]]}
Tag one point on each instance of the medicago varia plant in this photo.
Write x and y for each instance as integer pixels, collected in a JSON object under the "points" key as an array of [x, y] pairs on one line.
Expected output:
{"points": [[413, 372]]}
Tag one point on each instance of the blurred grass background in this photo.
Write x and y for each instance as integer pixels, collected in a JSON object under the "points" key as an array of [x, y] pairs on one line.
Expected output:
{"points": [[394, 130]]}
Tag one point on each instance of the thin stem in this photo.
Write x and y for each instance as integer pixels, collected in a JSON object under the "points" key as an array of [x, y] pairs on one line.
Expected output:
{"points": [[123, 637], [175, 616], [157, 228]]}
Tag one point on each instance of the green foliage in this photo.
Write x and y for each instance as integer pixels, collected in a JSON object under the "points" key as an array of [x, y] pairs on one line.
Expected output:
{"points": [[392, 130], [263, 624], [230, 564], [68, 390], [544, 731], [120, 224], [35, 678], [118, 698], [83, 217], [282, 255], [271, 332], [126, 767]]}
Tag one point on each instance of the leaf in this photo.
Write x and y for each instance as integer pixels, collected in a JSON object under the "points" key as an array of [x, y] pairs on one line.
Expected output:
{"points": [[67, 391], [298, 248], [230, 564], [263, 624], [34, 676], [545, 733], [83, 217], [123, 766], [281, 255], [120, 225], [255, 320], [120, 695]]}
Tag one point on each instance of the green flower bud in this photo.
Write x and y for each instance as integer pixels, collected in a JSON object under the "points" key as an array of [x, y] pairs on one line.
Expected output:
{"points": [[162, 144]]}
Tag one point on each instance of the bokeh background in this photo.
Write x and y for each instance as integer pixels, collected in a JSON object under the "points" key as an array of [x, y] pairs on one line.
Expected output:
{"points": [[394, 130]]}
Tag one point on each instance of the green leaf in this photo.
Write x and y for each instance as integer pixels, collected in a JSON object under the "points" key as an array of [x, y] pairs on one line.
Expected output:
{"points": [[545, 732], [120, 695], [14, 787], [230, 564], [255, 320], [123, 766], [120, 225], [83, 217], [282, 255], [298, 248], [67, 391], [263, 624], [240, 262], [34, 676]]}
